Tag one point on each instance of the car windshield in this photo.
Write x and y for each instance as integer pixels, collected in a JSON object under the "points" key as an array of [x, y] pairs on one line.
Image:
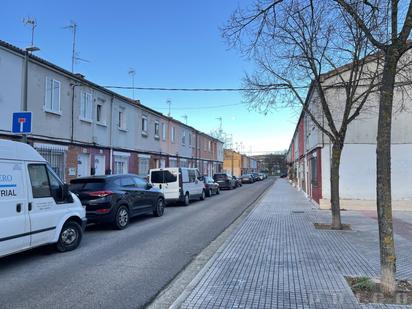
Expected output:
{"points": [[220, 176], [86, 185]]}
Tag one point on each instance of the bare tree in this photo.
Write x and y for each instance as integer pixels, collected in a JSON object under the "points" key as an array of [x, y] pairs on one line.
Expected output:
{"points": [[308, 49], [394, 18]]}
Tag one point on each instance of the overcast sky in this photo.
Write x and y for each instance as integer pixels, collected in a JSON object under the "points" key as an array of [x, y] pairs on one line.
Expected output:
{"points": [[169, 44]]}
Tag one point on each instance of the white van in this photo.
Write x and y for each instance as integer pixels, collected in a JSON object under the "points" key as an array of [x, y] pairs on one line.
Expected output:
{"points": [[36, 208], [178, 184]]}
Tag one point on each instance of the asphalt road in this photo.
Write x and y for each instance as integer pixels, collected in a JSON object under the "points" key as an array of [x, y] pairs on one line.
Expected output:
{"points": [[121, 269]]}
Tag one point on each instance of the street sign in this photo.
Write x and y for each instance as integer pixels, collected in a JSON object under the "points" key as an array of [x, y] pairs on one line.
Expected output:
{"points": [[21, 122]]}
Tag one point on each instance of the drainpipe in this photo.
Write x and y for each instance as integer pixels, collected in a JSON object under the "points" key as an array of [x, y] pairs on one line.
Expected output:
{"points": [[111, 134]]}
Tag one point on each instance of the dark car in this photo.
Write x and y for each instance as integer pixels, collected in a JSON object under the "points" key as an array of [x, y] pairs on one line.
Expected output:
{"points": [[256, 176], [211, 186], [238, 182], [225, 181], [117, 198], [247, 178], [284, 175]]}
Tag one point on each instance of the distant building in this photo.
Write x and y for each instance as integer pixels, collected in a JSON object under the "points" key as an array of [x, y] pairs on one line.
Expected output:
{"points": [[274, 164], [237, 164]]}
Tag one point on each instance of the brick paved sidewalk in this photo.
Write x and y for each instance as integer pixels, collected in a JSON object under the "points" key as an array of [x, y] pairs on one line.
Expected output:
{"points": [[276, 259]]}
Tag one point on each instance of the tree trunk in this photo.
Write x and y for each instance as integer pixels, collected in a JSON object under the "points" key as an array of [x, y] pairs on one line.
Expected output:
{"points": [[334, 186], [383, 174]]}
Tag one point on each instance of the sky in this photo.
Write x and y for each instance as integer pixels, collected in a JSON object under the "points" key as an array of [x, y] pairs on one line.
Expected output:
{"points": [[169, 43]]}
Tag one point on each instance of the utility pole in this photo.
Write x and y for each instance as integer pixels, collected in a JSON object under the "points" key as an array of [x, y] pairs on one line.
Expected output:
{"points": [[33, 23], [169, 102], [132, 73]]}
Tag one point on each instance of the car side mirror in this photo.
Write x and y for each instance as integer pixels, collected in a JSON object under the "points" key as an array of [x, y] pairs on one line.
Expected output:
{"points": [[149, 186], [201, 178]]}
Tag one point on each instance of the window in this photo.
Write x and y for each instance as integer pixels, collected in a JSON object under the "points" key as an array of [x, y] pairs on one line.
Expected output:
{"points": [[190, 139], [144, 125], [172, 134], [122, 120], [86, 104], [127, 182], [39, 181], [143, 166], [163, 131], [52, 97], [100, 116], [192, 175], [172, 162], [156, 129], [314, 170], [209, 146], [121, 165], [140, 182], [184, 138]]}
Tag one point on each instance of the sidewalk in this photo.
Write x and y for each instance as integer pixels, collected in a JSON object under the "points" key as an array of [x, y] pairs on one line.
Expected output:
{"points": [[276, 259]]}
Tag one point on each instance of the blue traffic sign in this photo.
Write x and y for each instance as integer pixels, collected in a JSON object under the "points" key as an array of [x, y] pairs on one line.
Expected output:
{"points": [[21, 122]]}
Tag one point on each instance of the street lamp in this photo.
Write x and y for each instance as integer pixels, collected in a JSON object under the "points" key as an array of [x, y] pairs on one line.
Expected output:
{"points": [[27, 50]]}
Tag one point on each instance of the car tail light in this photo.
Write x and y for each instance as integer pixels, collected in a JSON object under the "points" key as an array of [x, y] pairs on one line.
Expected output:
{"points": [[103, 211], [100, 193]]}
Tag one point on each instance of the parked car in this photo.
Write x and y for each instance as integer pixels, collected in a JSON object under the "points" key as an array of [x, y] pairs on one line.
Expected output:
{"points": [[178, 184], [262, 176], [284, 175], [225, 181], [247, 178], [36, 208], [256, 176], [116, 198], [238, 182], [211, 186]]}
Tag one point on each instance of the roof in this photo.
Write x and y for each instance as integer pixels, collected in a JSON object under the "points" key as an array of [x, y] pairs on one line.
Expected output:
{"points": [[17, 151], [80, 78]]}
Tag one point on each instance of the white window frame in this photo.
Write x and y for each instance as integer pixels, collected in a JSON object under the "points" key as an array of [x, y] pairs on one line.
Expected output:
{"points": [[101, 103], [121, 118], [190, 139], [157, 129], [164, 131], [86, 106], [184, 138], [209, 146], [144, 125], [172, 135], [54, 107]]}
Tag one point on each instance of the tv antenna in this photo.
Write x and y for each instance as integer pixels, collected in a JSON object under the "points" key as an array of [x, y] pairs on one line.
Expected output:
{"points": [[33, 23], [132, 73], [169, 102], [75, 55]]}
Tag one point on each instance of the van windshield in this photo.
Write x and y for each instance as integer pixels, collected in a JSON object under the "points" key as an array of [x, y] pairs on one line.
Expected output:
{"points": [[162, 177]]}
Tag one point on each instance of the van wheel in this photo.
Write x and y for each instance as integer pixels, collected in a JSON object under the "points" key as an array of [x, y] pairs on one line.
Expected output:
{"points": [[186, 200], [203, 196], [70, 237], [159, 208], [121, 219]]}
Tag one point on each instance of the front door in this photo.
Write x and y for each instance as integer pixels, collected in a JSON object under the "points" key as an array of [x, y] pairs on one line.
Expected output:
{"points": [[46, 209], [83, 166], [99, 164], [14, 221]]}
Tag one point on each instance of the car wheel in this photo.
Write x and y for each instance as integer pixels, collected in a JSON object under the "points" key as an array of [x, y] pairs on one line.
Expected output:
{"points": [[209, 193], [186, 201], [159, 208], [70, 237], [121, 219], [218, 191], [203, 196]]}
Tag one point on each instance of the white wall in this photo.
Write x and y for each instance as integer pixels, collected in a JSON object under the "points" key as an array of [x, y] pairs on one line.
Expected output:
{"points": [[11, 76], [358, 172]]}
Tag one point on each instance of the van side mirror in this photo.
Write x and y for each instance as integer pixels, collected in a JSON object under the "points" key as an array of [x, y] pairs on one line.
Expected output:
{"points": [[66, 196], [201, 178], [149, 186]]}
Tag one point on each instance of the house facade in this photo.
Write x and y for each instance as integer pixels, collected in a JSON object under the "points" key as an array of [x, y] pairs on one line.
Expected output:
{"points": [[237, 164], [84, 129], [309, 155]]}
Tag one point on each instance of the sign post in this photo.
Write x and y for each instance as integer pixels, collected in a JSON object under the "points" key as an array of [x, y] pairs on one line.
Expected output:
{"points": [[21, 124]]}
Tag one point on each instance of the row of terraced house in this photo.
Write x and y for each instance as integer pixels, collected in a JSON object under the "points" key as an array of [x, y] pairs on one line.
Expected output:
{"points": [[84, 129]]}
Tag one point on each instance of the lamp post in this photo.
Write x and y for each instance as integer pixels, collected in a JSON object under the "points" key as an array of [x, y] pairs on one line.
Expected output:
{"points": [[27, 50]]}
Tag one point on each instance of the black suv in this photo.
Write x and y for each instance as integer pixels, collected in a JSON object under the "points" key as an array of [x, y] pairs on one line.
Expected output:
{"points": [[117, 198], [225, 181]]}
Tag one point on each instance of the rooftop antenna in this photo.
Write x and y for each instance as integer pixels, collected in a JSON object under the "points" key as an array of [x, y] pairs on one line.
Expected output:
{"points": [[185, 118], [33, 23], [132, 73], [73, 27], [169, 102], [220, 125]]}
